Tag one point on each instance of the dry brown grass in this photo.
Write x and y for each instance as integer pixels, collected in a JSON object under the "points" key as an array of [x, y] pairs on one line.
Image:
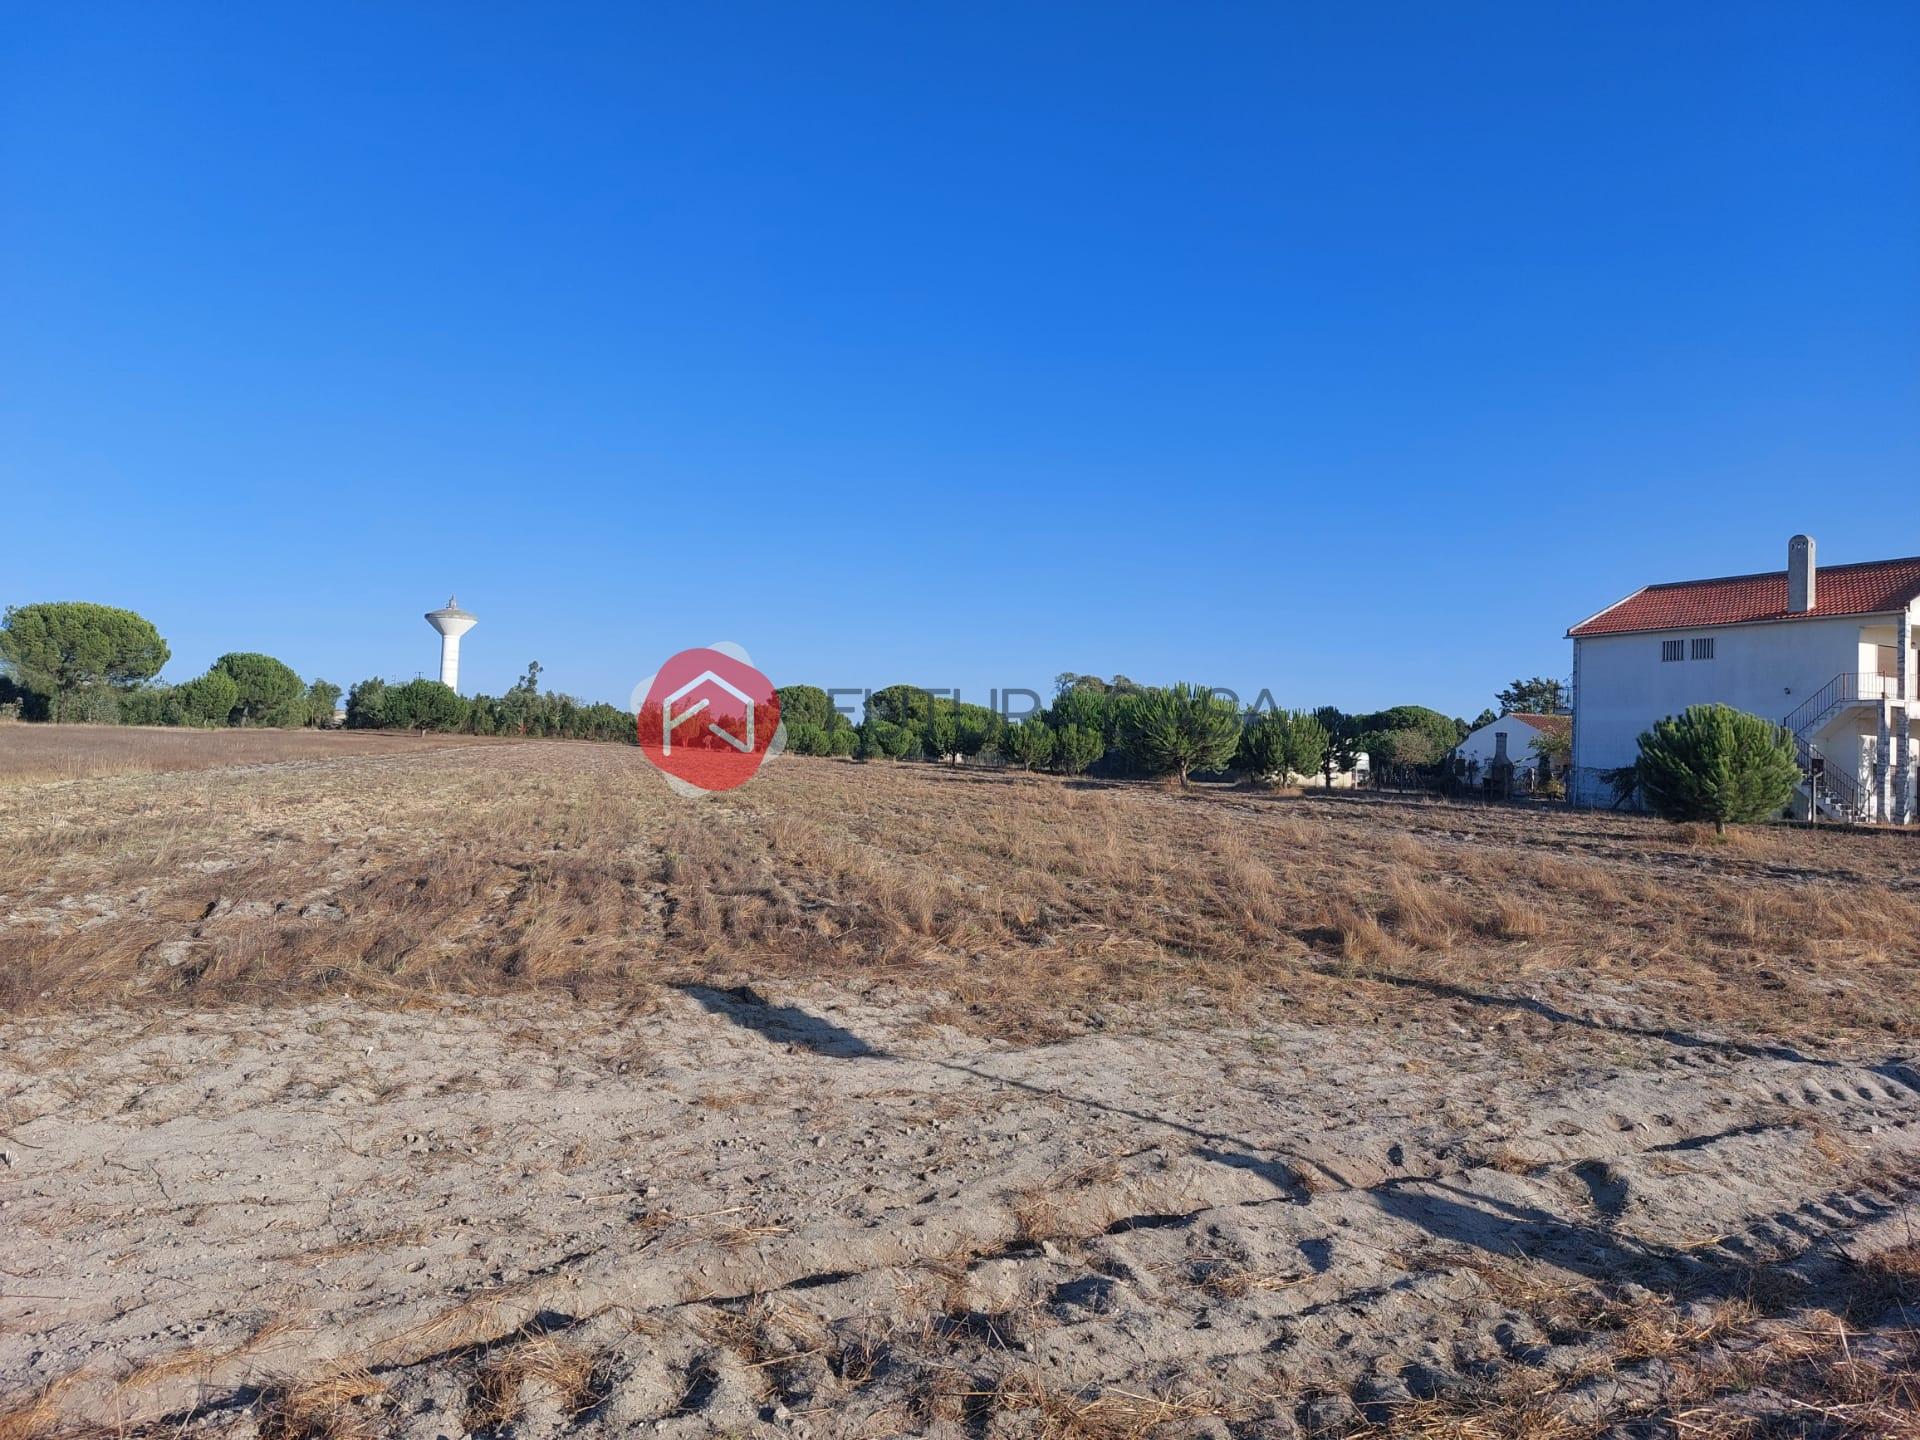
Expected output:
{"points": [[1030, 905], [36, 754], [332, 1408], [1843, 1374], [566, 1372]]}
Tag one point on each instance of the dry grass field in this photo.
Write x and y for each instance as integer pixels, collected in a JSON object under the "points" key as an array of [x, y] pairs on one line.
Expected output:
{"points": [[434, 1089], [36, 753]]}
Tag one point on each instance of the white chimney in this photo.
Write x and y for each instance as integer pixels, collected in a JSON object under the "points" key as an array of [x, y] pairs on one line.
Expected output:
{"points": [[452, 622], [1801, 575]]}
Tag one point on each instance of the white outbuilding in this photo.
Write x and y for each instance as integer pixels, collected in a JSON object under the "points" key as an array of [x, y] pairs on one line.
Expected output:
{"points": [[1510, 740]]}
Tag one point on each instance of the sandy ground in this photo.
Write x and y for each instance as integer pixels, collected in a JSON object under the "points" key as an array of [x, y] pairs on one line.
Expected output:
{"points": [[807, 1212], [493, 1092]]}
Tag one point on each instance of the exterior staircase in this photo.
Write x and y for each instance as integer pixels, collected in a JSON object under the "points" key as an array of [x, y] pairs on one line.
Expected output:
{"points": [[1833, 789], [1835, 793]]}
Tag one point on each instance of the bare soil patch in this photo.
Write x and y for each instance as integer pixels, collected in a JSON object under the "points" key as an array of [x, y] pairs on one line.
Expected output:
{"points": [[493, 1090]]}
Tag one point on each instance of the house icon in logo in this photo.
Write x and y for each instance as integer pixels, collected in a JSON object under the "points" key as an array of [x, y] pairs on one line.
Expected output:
{"points": [[669, 720]]}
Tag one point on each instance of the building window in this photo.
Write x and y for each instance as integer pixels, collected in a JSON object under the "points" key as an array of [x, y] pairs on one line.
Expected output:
{"points": [[1703, 649], [1673, 649]]}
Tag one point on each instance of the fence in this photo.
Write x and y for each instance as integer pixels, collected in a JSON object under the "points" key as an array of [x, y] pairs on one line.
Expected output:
{"points": [[1515, 784]]}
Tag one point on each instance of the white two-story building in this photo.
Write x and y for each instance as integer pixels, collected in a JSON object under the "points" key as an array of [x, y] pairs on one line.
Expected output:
{"points": [[1827, 652]]}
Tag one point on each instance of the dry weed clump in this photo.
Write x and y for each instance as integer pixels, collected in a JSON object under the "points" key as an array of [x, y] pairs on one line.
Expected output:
{"points": [[567, 1374], [335, 1407], [1046, 1413], [1023, 904]]}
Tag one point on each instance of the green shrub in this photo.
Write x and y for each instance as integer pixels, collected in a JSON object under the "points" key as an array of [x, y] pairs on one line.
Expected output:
{"points": [[424, 705], [87, 705], [883, 740], [1027, 744], [1179, 730], [843, 740], [150, 705], [1712, 762], [270, 693], [208, 700], [806, 738], [1075, 747]]}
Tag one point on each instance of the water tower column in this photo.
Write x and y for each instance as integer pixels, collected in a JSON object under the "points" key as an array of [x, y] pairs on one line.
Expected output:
{"points": [[452, 622]]}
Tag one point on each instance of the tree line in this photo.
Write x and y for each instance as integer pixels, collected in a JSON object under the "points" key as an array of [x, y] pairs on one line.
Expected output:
{"points": [[77, 662], [1119, 727], [525, 709]]}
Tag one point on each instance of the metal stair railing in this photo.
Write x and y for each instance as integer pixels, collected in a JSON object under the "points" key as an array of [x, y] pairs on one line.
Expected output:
{"points": [[1825, 781], [1843, 689]]}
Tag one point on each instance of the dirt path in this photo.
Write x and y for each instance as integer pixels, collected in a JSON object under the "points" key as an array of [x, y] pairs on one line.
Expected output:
{"points": [[807, 1210]]}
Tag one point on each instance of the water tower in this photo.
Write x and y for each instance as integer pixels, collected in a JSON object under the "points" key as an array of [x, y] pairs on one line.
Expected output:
{"points": [[452, 622]]}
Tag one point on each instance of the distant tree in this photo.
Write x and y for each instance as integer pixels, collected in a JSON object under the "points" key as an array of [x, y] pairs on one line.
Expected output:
{"points": [[941, 735], [900, 705], [1339, 753], [1282, 742], [208, 700], [61, 649], [975, 728], [322, 697], [529, 683], [843, 740], [804, 737], [1409, 747], [1712, 762], [1075, 747], [1538, 696], [1091, 707], [1180, 729], [367, 705], [884, 740], [1028, 744], [1443, 730], [1553, 746], [1262, 756], [424, 705], [271, 693], [150, 705], [1067, 682], [804, 705], [1485, 717]]}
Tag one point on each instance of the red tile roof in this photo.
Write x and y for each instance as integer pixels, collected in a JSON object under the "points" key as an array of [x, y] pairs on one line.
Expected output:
{"points": [[1546, 724], [1872, 588]]}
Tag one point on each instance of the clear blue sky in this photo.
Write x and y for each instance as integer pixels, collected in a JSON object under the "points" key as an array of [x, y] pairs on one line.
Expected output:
{"points": [[1353, 351]]}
